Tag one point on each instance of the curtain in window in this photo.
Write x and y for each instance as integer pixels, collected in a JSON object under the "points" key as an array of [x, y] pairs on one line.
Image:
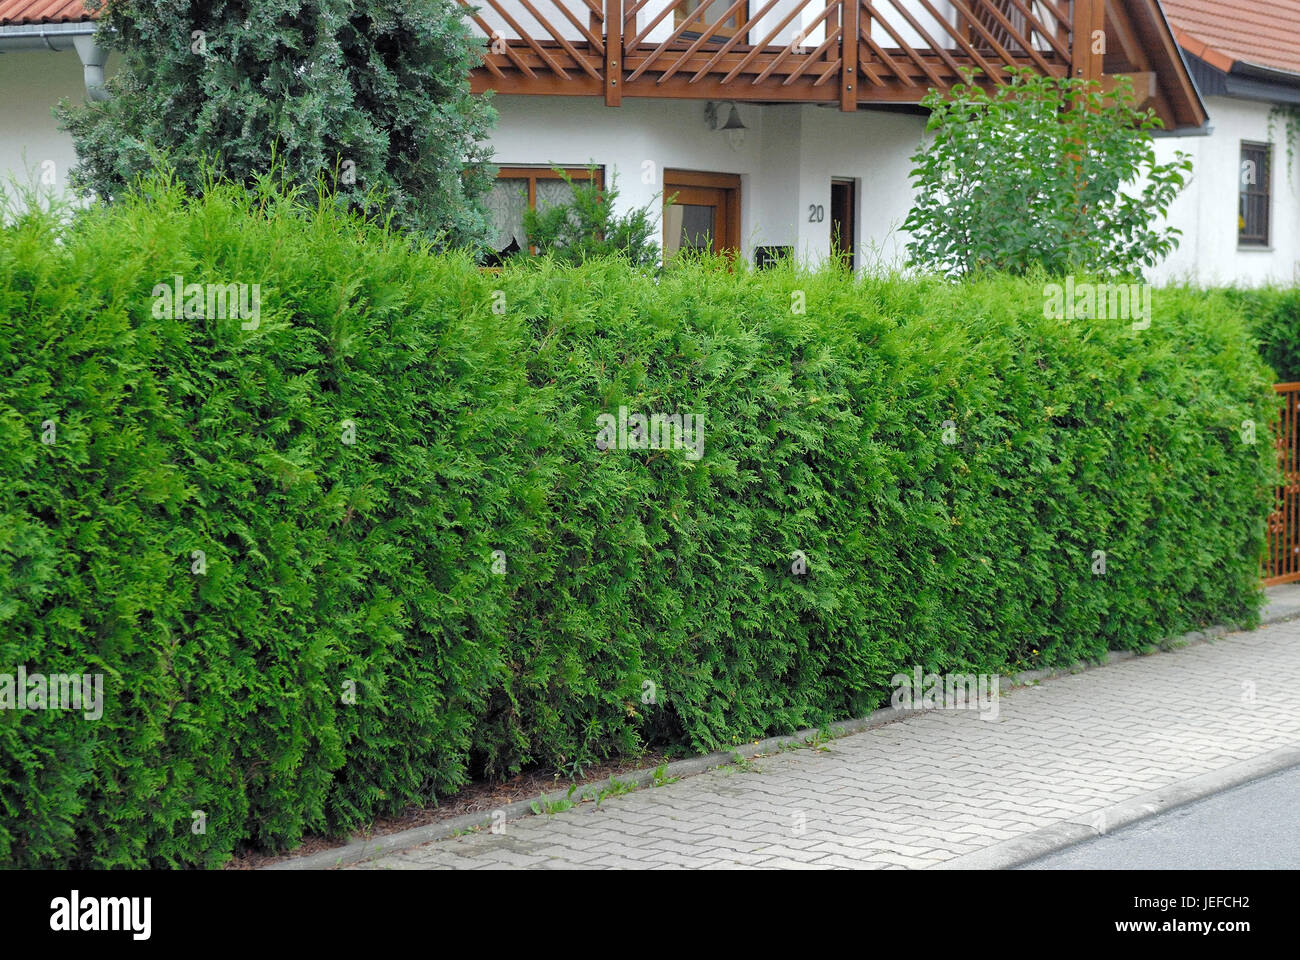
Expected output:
{"points": [[552, 193], [506, 202]]}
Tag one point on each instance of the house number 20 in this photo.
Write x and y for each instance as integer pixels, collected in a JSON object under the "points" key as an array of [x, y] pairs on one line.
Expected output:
{"points": [[816, 213]]}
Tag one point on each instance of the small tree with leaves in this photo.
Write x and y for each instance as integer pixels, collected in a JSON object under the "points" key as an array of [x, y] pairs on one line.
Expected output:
{"points": [[1045, 173], [373, 98], [587, 226]]}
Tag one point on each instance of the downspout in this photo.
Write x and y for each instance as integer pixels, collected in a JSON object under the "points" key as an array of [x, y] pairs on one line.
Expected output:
{"points": [[93, 57]]}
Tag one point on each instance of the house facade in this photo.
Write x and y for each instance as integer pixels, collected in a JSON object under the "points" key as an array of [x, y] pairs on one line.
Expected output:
{"points": [[784, 126], [47, 52], [779, 126], [1240, 216]]}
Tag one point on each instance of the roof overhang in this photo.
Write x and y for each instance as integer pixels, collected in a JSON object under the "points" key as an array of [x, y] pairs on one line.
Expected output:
{"points": [[43, 36], [1176, 98], [1223, 74], [1246, 82]]}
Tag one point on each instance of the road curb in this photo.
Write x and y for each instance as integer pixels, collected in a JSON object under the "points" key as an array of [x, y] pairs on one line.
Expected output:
{"points": [[1019, 851], [1044, 841]]}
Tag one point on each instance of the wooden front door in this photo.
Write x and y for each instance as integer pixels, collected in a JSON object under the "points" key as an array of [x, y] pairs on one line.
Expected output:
{"points": [[701, 212]]}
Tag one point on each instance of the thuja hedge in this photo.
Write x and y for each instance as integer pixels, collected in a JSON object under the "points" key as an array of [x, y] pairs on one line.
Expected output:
{"points": [[339, 558], [1274, 315]]}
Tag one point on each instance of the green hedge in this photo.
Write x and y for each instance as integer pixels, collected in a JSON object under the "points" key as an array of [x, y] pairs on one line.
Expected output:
{"points": [[473, 400], [1274, 315]]}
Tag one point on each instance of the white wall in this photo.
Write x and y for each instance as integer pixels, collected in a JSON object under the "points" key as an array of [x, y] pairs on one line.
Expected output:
{"points": [[873, 148], [1206, 211], [786, 163], [31, 83]]}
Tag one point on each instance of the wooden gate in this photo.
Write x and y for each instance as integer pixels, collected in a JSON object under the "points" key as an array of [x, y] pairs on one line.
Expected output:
{"points": [[1284, 523]]}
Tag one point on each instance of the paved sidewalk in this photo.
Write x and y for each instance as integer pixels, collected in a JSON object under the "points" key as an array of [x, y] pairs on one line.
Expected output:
{"points": [[935, 787]]}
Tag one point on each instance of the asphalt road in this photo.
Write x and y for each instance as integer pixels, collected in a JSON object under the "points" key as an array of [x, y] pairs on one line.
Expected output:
{"points": [[1252, 827]]}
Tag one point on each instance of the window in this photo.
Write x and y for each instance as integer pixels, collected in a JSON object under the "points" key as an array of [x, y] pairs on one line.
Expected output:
{"points": [[528, 188], [704, 212], [713, 10], [1253, 206]]}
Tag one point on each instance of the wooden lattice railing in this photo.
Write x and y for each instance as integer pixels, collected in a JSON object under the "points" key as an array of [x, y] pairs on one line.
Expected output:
{"points": [[822, 50]]}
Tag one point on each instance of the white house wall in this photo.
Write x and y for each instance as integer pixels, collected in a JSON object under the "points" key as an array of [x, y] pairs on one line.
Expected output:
{"points": [[799, 12], [1207, 210], [786, 162], [873, 149], [31, 83]]}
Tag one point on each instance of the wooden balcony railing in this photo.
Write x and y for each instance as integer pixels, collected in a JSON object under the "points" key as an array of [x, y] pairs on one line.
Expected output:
{"points": [[845, 51]]}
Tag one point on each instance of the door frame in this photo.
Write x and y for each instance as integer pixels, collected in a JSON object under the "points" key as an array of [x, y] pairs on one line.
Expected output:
{"points": [[728, 215], [849, 244]]}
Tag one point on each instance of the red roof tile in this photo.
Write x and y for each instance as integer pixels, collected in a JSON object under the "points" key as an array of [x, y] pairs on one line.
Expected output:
{"points": [[15, 12], [1265, 33]]}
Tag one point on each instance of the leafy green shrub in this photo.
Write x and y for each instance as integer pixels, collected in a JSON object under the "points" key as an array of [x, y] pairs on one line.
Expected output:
{"points": [[472, 583], [587, 227], [1045, 172]]}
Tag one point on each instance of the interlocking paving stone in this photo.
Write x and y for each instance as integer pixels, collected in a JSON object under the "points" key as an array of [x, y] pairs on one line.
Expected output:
{"points": [[933, 786]]}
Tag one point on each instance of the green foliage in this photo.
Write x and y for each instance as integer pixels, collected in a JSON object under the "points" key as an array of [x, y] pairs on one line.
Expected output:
{"points": [[1274, 316], [371, 563], [1289, 116], [1044, 172], [616, 788], [660, 777], [587, 227], [326, 563], [373, 98], [545, 804], [819, 740]]}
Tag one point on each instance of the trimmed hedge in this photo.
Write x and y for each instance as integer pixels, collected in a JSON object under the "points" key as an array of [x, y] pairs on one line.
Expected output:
{"points": [[472, 398], [1274, 316]]}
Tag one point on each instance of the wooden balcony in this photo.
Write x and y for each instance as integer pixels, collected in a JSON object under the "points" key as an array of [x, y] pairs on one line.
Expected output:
{"points": [[850, 52]]}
